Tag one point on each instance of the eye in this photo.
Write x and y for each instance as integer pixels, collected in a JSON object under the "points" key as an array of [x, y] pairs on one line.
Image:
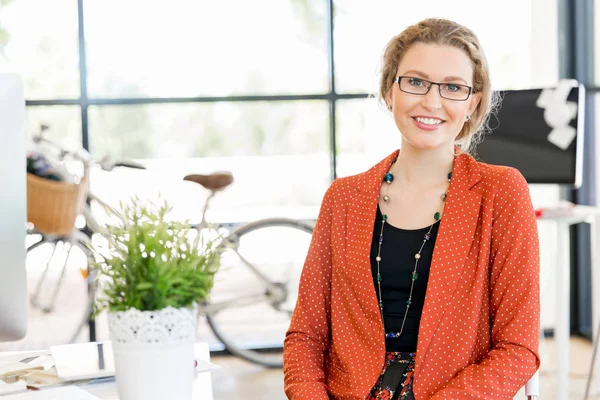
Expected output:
{"points": [[452, 87], [415, 82]]}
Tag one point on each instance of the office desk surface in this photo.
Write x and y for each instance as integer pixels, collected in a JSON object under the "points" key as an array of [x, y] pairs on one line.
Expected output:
{"points": [[202, 384], [108, 390]]}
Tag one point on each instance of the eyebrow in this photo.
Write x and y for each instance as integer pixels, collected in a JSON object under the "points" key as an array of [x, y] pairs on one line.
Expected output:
{"points": [[425, 76]]}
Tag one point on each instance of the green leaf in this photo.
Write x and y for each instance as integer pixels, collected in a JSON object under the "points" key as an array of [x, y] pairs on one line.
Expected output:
{"points": [[144, 286], [150, 262]]}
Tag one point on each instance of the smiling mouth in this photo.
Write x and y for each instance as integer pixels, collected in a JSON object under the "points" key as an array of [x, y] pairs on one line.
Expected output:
{"points": [[428, 121]]}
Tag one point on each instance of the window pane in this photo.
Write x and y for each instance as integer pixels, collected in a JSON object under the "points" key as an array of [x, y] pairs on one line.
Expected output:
{"points": [[38, 40], [209, 129], [366, 134], [277, 151], [64, 124], [205, 48], [526, 55]]}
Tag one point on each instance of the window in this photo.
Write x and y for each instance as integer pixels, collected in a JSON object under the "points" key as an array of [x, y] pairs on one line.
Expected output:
{"points": [[366, 134], [199, 48], [203, 51], [39, 41], [64, 124], [277, 151]]}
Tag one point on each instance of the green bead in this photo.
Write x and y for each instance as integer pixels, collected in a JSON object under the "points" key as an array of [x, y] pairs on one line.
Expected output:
{"points": [[437, 216], [449, 175], [408, 302], [414, 276], [378, 278], [385, 217]]}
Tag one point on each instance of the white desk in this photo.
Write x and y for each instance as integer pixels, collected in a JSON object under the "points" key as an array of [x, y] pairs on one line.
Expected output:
{"points": [[581, 214], [108, 390]]}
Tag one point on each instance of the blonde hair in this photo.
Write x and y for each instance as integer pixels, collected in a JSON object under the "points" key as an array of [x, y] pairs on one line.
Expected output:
{"points": [[445, 32]]}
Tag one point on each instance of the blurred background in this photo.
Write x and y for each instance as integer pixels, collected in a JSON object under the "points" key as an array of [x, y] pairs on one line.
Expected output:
{"points": [[280, 93]]}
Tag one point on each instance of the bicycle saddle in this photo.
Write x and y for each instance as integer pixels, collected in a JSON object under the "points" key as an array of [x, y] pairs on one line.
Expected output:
{"points": [[216, 181]]}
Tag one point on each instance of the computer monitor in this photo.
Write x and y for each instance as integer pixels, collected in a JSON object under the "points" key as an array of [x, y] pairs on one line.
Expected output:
{"points": [[13, 215], [540, 133]]}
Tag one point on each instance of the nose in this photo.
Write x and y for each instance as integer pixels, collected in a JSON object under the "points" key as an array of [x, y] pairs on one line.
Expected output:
{"points": [[432, 100]]}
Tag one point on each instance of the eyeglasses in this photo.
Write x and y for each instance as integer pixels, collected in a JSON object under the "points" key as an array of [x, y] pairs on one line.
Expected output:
{"points": [[450, 91]]}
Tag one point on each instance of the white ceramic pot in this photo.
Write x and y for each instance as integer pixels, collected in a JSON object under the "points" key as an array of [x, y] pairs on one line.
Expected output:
{"points": [[154, 353]]}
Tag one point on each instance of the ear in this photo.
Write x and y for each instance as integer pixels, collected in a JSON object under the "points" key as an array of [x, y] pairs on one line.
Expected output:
{"points": [[474, 102], [388, 97]]}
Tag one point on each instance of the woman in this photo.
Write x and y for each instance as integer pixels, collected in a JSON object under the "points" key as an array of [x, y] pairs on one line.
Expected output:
{"points": [[422, 279]]}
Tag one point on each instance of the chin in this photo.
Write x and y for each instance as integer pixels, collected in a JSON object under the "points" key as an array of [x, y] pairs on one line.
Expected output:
{"points": [[428, 140], [420, 143]]}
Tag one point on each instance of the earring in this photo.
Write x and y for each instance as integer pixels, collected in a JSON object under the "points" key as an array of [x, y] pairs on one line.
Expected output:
{"points": [[390, 107], [468, 117]]}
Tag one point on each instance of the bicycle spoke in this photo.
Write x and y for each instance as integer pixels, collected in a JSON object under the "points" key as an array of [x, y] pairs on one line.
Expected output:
{"points": [[266, 255], [60, 290], [263, 277]]}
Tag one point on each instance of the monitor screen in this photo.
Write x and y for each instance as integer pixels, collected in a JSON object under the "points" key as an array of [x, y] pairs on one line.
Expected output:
{"points": [[539, 132], [13, 284]]}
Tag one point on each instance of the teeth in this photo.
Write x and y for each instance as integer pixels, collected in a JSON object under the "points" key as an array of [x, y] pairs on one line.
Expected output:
{"points": [[429, 121]]}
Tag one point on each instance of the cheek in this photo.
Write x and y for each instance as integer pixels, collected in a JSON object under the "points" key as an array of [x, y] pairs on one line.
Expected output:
{"points": [[405, 105], [458, 113]]}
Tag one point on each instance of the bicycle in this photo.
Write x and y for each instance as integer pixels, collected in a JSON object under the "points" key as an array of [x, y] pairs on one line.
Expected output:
{"points": [[260, 269]]}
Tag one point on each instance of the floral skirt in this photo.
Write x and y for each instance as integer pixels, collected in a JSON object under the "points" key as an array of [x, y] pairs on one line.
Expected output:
{"points": [[396, 379]]}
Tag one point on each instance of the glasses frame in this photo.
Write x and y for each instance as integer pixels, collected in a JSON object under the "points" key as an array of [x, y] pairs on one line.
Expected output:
{"points": [[398, 80]]}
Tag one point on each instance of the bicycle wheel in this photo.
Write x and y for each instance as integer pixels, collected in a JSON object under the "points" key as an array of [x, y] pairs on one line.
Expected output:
{"points": [[256, 287], [59, 294]]}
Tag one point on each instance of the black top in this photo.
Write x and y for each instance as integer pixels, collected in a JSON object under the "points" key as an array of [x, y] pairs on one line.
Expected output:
{"points": [[397, 264]]}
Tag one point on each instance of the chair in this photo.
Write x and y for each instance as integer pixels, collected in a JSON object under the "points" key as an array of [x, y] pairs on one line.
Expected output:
{"points": [[532, 387]]}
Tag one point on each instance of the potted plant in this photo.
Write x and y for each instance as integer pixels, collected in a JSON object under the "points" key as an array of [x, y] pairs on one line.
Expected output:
{"points": [[152, 274]]}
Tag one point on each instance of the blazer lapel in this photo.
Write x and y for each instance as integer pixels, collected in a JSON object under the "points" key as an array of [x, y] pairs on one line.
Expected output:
{"points": [[457, 227]]}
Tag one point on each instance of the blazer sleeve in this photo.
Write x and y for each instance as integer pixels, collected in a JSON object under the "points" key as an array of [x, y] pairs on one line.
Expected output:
{"points": [[514, 300], [307, 339]]}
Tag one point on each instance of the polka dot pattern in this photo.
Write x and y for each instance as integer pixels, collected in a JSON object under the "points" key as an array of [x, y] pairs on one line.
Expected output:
{"points": [[479, 331]]}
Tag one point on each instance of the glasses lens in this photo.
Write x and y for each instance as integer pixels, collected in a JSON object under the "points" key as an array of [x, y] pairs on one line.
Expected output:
{"points": [[454, 92], [414, 85]]}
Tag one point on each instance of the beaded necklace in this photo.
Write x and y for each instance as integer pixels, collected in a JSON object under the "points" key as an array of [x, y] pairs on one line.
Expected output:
{"points": [[388, 178]]}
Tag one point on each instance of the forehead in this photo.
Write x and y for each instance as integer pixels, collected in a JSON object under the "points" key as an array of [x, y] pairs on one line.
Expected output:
{"points": [[437, 62]]}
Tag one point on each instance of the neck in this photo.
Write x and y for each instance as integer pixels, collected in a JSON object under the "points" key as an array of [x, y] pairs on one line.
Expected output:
{"points": [[423, 168]]}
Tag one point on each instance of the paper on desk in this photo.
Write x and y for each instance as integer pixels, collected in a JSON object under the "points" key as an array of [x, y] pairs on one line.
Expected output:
{"points": [[10, 388], [204, 366], [61, 393]]}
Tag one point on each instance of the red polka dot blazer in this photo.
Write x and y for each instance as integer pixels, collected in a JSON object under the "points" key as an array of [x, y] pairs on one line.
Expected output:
{"points": [[479, 331]]}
